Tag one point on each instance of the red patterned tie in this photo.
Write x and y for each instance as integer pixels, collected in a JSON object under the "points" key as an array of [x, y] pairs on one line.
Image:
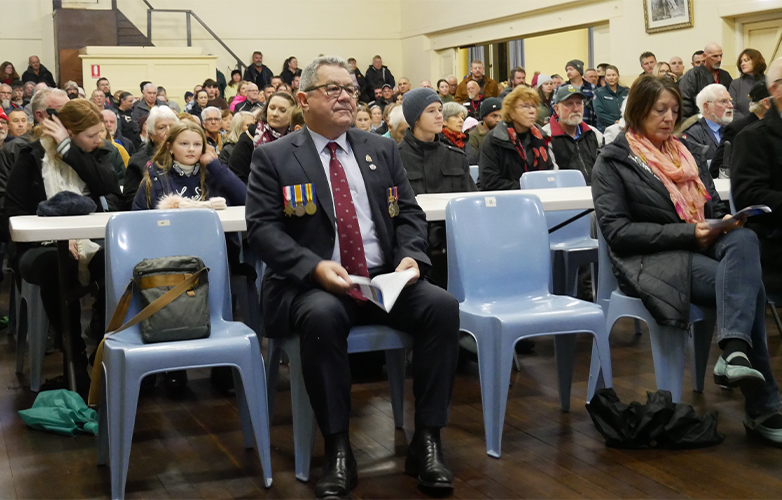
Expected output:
{"points": [[351, 246]]}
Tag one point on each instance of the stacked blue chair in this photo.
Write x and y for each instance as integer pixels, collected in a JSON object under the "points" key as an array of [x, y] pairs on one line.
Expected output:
{"points": [[130, 238], [499, 269], [571, 245], [668, 344], [361, 339]]}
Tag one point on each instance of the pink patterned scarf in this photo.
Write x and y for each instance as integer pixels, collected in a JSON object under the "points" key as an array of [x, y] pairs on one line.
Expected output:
{"points": [[676, 168]]}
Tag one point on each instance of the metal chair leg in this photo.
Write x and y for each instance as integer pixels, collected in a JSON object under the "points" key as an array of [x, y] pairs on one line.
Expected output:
{"points": [[776, 316]]}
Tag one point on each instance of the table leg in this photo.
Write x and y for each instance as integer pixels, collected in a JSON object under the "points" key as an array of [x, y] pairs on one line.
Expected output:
{"points": [[63, 259]]}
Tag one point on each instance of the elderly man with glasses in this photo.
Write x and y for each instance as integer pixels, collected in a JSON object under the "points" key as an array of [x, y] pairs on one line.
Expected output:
{"points": [[354, 213], [703, 137]]}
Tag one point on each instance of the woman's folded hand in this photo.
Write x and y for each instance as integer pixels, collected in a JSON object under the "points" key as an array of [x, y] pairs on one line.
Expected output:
{"points": [[705, 234]]}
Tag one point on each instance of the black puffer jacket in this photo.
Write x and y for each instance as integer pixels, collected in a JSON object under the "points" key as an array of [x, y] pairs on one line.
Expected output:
{"points": [[650, 246], [25, 187], [435, 167]]}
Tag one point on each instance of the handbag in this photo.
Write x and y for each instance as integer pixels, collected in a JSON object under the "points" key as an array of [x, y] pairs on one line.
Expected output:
{"points": [[174, 294]]}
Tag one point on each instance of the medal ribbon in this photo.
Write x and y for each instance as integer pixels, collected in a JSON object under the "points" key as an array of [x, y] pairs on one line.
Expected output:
{"points": [[310, 194], [286, 195], [299, 200]]}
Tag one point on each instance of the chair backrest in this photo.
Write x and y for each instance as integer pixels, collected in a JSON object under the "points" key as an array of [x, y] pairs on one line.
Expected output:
{"points": [[727, 151], [497, 246], [606, 281], [134, 236], [474, 173], [576, 230]]}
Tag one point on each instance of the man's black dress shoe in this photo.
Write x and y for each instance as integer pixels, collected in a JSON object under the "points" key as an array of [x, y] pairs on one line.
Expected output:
{"points": [[425, 461], [339, 470]]}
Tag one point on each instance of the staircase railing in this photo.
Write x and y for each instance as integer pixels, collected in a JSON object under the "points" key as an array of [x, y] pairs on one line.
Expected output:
{"points": [[189, 14]]}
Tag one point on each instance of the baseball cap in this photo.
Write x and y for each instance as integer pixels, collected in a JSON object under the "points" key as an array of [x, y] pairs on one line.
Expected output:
{"points": [[565, 91], [4, 116]]}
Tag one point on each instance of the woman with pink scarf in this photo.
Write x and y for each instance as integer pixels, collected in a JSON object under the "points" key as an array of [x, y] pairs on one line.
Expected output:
{"points": [[653, 204]]}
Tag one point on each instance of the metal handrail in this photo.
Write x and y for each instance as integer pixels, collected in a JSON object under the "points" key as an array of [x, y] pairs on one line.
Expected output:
{"points": [[189, 13]]}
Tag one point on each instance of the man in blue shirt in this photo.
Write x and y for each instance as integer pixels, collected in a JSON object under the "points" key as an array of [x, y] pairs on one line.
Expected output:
{"points": [[716, 107]]}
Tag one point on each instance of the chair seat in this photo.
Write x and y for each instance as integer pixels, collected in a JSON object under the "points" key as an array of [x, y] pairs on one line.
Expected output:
{"points": [[370, 338], [585, 244], [224, 338], [543, 312], [633, 307]]}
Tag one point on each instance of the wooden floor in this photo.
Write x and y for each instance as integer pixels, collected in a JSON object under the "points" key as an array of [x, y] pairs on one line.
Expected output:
{"points": [[192, 448]]}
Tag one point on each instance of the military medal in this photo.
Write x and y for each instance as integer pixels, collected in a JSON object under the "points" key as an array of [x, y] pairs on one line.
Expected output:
{"points": [[310, 208], [286, 199], [298, 207], [393, 202], [369, 158]]}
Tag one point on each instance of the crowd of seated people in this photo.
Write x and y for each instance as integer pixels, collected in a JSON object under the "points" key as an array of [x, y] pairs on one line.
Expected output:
{"points": [[667, 135]]}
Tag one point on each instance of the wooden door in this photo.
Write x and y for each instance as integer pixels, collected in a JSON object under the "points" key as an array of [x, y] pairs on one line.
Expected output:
{"points": [[764, 36]]}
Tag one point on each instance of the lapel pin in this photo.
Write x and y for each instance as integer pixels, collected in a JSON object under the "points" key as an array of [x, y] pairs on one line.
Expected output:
{"points": [[372, 166], [369, 159]]}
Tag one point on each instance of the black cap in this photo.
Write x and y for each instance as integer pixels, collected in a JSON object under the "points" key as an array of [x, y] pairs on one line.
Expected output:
{"points": [[758, 92], [490, 105]]}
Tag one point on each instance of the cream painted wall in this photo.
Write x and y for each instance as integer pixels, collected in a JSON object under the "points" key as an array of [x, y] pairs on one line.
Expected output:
{"points": [[304, 28], [27, 30], [541, 54]]}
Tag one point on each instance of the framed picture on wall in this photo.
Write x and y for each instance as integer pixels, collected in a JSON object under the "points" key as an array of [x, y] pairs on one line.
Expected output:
{"points": [[666, 15]]}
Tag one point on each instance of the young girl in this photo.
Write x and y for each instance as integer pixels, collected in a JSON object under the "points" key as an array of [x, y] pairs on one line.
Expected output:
{"points": [[183, 166], [363, 119]]}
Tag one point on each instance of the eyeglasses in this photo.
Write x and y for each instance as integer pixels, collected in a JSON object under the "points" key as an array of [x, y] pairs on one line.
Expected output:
{"points": [[526, 107], [212, 120], [334, 90], [723, 102]]}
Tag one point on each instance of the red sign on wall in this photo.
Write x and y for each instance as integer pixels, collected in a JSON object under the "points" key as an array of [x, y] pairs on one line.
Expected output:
{"points": [[95, 70]]}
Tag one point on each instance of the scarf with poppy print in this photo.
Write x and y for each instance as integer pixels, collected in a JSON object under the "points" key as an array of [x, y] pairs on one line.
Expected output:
{"points": [[537, 144]]}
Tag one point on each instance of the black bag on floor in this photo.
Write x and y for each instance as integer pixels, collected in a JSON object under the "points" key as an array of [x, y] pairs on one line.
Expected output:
{"points": [[660, 423]]}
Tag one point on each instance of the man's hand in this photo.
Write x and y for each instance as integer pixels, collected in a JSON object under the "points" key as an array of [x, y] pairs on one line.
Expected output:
{"points": [[705, 235], [332, 277], [409, 263]]}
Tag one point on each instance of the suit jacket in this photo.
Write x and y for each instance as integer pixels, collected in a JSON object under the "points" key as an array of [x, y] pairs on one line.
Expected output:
{"points": [[700, 139], [293, 246], [729, 135]]}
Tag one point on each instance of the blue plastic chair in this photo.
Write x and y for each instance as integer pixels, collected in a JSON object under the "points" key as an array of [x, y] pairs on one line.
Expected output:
{"points": [[474, 169], [361, 339], [130, 238], [498, 269], [668, 344], [572, 245]]}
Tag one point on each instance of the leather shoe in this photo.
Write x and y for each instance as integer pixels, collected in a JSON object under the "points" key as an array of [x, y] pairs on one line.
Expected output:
{"points": [[339, 470], [754, 426], [425, 461]]}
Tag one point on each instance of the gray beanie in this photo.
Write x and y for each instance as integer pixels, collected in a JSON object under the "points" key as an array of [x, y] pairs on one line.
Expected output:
{"points": [[415, 102], [577, 64]]}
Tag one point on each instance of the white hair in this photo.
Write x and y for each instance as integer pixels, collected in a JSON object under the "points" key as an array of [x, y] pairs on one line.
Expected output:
{"points": [[207, 110], [309, 75], [157, 113], [709, 93], [774, 72], [453, 108], [41, 97], [147, 85], [396, 117]]}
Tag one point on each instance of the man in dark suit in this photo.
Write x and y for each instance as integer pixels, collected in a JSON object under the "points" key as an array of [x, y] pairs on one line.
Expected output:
{"points": [[759, 103], [364, 221]]}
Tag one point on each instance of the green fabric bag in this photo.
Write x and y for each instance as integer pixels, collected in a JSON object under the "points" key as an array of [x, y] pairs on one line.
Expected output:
{"points": [[62, 412]]}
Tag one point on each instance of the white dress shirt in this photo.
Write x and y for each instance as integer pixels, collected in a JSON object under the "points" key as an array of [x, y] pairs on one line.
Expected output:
{"points": [[358, 192]]}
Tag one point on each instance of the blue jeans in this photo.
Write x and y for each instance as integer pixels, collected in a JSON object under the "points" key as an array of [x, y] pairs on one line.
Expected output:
{"points": [[728, 275]]}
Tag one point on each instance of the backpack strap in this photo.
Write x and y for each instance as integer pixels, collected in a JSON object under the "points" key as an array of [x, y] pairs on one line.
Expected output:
{"points": [[116, 326]]}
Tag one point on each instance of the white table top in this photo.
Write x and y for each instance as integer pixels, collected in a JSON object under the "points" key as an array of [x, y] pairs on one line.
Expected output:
{"points": [[31, 228]]}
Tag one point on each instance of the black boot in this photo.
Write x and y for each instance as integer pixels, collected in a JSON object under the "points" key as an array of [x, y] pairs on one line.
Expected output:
{"points": [[339, 470], [425, 462]]}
